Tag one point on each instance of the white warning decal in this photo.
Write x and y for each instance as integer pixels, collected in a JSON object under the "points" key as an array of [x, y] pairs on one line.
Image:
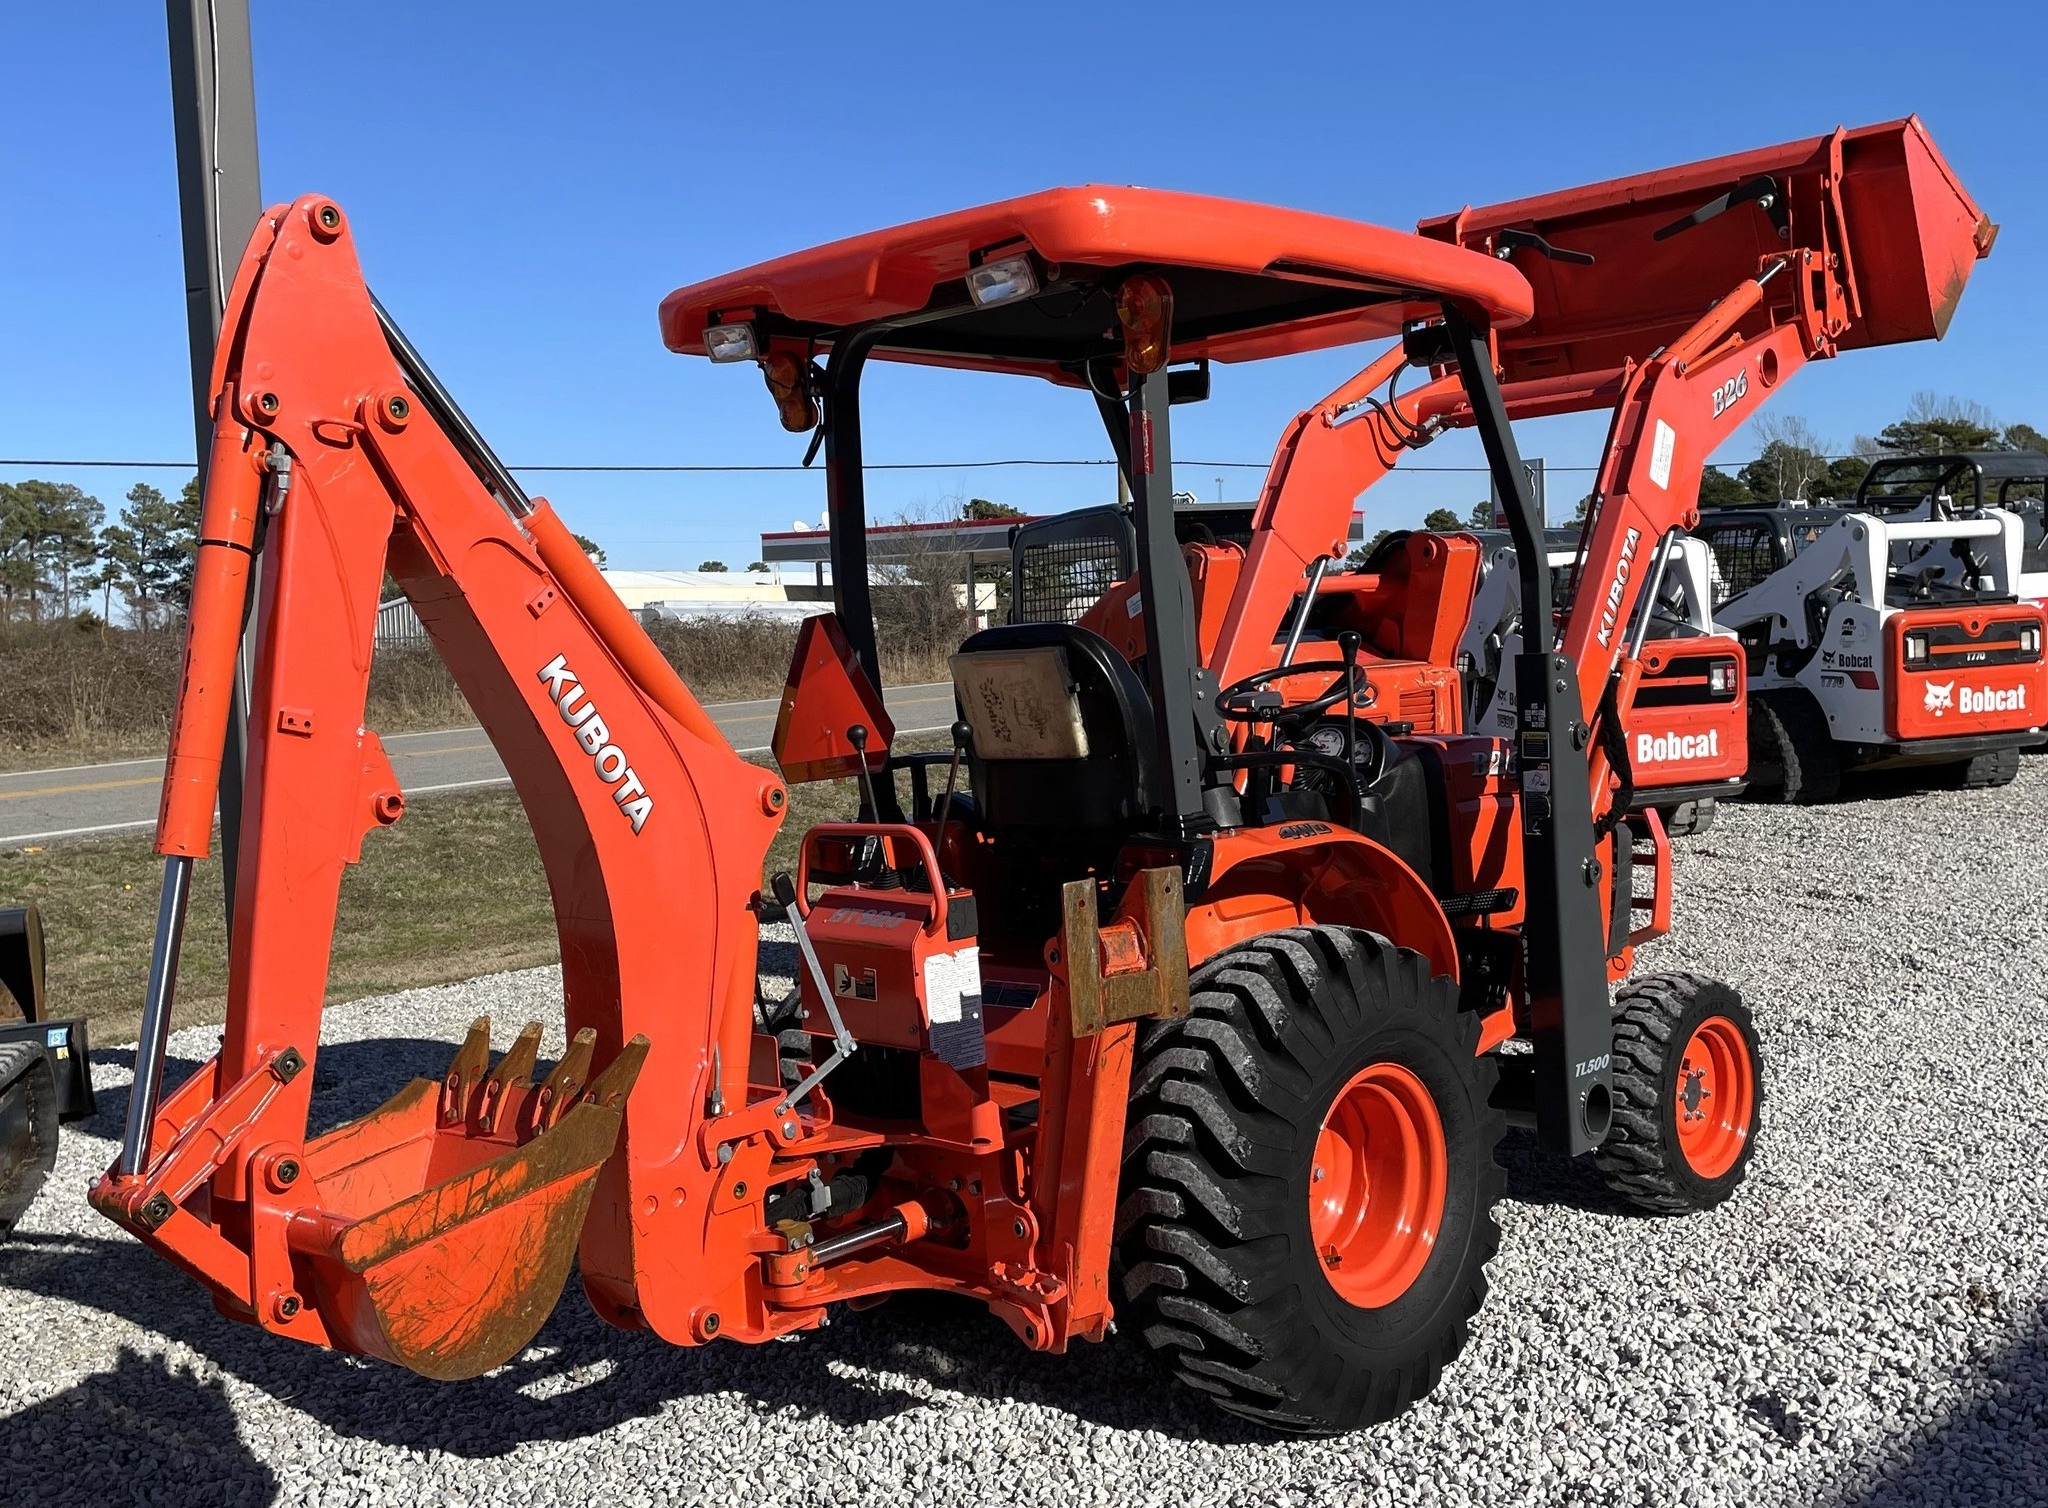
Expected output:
{"points": [[1661, 446], [952, 982]]}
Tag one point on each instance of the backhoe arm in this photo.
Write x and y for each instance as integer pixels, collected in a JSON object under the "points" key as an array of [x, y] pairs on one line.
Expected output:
{"points": [[437, 1231]]}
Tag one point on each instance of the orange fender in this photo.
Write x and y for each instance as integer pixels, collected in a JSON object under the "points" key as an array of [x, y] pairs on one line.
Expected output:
{"points": [[1304, 873]]}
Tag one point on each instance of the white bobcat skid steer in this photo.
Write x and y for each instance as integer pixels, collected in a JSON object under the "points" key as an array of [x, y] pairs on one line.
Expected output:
{"points": [[1881, 641], [1686, 727]]}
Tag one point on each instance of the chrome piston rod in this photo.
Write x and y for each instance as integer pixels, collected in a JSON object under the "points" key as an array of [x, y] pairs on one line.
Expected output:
{"points": [[147, 1088], [1308, 602]]}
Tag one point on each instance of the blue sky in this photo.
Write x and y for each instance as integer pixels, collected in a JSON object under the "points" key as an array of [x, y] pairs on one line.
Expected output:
{"points": [[527, 181]]}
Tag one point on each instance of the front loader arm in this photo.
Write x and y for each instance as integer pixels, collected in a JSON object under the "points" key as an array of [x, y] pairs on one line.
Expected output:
{"points": [[430, 1232], [1674, 411], [1327, 457]]}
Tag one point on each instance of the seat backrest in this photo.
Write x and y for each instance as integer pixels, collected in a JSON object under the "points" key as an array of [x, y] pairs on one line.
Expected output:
{"points": [[1063, 730]]}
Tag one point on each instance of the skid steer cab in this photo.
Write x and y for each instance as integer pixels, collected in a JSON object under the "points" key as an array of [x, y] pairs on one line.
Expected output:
{"points": [[1963, 485], [1685, 731], [1881, 640], [1161, 996]]}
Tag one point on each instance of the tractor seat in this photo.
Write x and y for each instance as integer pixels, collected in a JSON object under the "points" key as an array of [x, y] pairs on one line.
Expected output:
{"points": [[1063, 732]]}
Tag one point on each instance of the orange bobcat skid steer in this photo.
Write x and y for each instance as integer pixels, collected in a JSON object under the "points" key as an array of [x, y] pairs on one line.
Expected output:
{"points": [[1132, 986]]}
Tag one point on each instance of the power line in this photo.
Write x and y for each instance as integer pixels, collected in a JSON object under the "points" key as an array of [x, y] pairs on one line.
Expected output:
{"points": [[721, 469], [730, 469]]}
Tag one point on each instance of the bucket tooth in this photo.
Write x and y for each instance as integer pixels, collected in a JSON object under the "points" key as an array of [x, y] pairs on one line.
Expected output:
{"points": [[611, 1087], [466, 1070], [513, 1073], [568, 1079]]}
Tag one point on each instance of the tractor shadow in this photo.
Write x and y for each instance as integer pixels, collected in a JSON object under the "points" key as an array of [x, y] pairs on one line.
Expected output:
{"points": [[581, 1377], [1539, 1176], [1996, 1440], [119, 1432]]}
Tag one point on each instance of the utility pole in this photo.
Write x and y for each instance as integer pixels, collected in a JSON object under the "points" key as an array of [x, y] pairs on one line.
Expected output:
{"points": [[213, 104]]}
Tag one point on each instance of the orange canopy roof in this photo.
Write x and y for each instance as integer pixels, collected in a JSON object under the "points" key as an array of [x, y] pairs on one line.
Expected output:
{"points": [[1249, 281]]}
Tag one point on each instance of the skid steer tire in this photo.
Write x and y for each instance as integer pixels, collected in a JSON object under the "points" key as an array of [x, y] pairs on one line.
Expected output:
{"points": [[1314, 1046], [28, 1128], [1688, 1094], [1688, 819], [1987, 772], [1792, 756]]}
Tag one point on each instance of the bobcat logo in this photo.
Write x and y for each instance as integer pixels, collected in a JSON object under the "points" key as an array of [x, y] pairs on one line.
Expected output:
{"points": [[1940, 697]]}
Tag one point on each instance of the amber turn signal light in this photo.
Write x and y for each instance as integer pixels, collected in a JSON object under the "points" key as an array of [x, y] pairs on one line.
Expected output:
{"points": [[1144, 307]]}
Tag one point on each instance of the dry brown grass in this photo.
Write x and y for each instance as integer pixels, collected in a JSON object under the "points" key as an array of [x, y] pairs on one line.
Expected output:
{"points": [[76, 696]]}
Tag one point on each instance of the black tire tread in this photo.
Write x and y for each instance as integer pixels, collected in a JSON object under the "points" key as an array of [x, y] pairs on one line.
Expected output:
{"points": [[28, 1128], [1789, 723], [1215, 1099], [1987, 772], [1636, 1161]]}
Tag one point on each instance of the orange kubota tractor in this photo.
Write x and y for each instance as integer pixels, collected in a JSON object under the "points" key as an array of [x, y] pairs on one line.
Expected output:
{"points": [[1141, 1022]]}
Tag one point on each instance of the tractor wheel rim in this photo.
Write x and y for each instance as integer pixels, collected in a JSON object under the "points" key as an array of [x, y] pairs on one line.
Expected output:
{"points": [[1376, 1187], [1716, 1097]]}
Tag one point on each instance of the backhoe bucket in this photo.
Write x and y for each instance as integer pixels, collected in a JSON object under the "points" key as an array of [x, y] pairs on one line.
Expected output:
{"points": [[455, 1278], [436, 1232]]}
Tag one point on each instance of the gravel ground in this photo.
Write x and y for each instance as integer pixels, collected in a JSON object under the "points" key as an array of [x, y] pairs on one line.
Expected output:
{"points": [[1865, 1322]]}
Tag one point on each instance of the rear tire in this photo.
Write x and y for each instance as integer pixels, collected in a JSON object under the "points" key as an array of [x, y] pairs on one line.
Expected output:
{"points": [[1986, 772], [1688, 1094], [1792, 757], [1232, 1114]]}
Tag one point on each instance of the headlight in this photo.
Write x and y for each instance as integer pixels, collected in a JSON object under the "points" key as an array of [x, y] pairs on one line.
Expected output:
{"points": [[1916, 649], [731, 343], [2030, 640], [1003, 281]]}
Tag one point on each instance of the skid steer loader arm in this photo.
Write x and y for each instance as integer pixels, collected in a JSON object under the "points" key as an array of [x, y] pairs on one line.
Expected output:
{"points": [[437, 1231]]}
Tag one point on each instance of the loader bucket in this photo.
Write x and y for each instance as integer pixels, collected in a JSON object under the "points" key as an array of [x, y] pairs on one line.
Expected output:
{"points": [[1664, 246], [429, 1251]]}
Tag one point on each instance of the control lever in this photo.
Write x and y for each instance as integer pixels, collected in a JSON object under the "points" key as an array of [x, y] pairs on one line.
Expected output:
{"points": [[961, 732], [1508, 241], [1765, 191], [857, 735], [843, 1043]]}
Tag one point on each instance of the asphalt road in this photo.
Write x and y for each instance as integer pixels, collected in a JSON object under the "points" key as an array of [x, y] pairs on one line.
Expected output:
{"points": [[39, 806]]}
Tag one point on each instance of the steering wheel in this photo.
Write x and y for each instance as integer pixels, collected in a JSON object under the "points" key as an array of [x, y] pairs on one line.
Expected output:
{"points": [[1249, 700]]}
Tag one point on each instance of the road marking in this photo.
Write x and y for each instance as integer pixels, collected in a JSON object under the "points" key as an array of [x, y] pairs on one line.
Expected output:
{"points": [[459, 785], [456, 749], [66, 769], [16, 840], [83, 785], [76, 832]]}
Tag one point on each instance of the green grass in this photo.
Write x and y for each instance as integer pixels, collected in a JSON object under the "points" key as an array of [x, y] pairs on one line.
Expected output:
{"points": [[455, 889]]}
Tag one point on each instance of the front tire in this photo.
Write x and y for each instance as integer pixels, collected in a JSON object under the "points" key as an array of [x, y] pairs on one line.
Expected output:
{"points": [[1308, 1303], [1688, 1094]]}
